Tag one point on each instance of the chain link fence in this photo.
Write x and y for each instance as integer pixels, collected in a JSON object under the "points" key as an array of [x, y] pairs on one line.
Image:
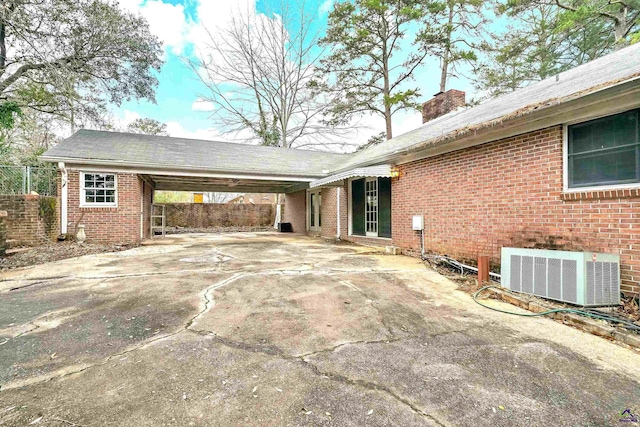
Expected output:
{"points": [[27, 179]]}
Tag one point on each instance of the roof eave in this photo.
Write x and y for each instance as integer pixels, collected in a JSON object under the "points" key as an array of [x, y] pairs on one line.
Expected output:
{"points": [[599, 102], [132, 167]]}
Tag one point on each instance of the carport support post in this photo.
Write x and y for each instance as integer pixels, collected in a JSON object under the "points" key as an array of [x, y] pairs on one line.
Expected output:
{"points": [[63, 197], [483, 269]]}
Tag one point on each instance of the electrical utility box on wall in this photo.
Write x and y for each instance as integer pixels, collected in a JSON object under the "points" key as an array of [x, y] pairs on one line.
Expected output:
{"points": [[582, 278], [418, 222]]}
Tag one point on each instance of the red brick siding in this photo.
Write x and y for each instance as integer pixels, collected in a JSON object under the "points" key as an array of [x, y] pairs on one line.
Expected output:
{"points": [[3, 233], [119, 224], [344, 211], [442, 104], [328, 210], [509, 193], [295, 210], [23, 222], [147, 200], [203, 215]]}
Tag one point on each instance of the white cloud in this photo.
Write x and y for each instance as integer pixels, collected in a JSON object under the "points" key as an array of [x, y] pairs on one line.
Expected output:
{"points": [[405, 122], [325, 7], [125, 117], [202, 105], [214, 16], [180, 33], [167, 21], [175, 129]]}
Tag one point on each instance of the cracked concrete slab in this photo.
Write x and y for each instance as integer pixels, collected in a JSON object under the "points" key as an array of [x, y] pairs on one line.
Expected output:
{"points": [[273, 329]]}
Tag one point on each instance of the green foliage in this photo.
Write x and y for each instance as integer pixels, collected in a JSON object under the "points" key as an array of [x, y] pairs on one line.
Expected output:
{"points": [[71, 58], [148, 127], [373, 140], [549, 36], [269, 135], [8, 113], [366, 67], [31, 135], [47, 212], [453, 32], [172, 197], [527, 52]]}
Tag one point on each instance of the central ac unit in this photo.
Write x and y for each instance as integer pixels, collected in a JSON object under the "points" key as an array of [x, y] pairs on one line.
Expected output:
{"points": [[583, 278]]}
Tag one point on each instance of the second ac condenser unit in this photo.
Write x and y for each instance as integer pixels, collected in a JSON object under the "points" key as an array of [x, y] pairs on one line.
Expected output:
{"points": [[583, 278]]}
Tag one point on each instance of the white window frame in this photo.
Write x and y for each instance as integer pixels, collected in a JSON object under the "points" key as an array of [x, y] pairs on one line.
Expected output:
{"points": [[350, 213], [317, 192], [84, 203], [366, 205], [565, 162]]}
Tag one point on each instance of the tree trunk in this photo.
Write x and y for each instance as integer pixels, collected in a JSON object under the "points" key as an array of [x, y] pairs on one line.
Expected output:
{"points": [[386, 93], [443, 74], [3, 46], [447, 51], [620, 25]]}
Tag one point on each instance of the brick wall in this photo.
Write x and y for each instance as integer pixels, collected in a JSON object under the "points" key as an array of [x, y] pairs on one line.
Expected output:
{"points": [[27, 221], [219, 215], [119, 224], [442, 104], [3, 232], [294, 210], [147, 200], [509, 193], [329, 211]]}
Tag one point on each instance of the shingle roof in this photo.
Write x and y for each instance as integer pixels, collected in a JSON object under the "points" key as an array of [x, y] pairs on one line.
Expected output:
{"points": [[178, 153], [617, 66]]}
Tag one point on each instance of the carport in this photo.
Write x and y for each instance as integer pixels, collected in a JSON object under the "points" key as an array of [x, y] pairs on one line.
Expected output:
{"points": [[107, 179]]}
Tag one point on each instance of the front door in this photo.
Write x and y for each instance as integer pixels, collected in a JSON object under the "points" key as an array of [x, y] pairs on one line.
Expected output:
{"points": [[315, 217]]}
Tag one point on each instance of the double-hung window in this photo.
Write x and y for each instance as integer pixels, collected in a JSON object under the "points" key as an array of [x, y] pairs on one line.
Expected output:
{"points": [[604, 152], [98, 189]]}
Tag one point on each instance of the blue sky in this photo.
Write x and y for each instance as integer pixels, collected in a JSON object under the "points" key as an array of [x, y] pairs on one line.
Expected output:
{"points": [[180, 23]]}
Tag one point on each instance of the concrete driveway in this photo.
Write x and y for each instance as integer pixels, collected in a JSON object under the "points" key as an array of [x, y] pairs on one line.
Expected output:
{"points": [[271, 329]]}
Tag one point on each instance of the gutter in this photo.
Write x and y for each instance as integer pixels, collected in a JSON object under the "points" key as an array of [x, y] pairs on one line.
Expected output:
{"points": [[498, 128], [117, 165]]}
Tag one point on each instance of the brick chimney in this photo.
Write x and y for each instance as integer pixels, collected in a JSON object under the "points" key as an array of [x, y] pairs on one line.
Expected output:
{"points": [[441, 104]]}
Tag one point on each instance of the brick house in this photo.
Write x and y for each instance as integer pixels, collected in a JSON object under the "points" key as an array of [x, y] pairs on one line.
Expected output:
{"points": [[553, 165]]}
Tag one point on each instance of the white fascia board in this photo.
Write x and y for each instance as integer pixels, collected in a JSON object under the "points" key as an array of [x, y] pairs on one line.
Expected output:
{"points": [[100, 166]]}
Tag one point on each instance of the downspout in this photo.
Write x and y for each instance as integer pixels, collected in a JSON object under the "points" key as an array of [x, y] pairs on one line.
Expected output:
{"points": [[338, 214], [142, 212], [64, 188]]}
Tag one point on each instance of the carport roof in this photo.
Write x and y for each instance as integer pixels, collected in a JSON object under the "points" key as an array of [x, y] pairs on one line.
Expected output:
{"points": [[161, 152]]}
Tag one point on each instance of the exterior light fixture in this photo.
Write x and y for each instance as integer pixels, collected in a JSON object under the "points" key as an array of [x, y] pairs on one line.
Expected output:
{"points": [[395, 172]]}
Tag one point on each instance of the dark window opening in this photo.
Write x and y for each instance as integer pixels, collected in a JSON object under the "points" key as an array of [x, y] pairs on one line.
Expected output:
{"points": [[605, 151], [371, 207]]}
